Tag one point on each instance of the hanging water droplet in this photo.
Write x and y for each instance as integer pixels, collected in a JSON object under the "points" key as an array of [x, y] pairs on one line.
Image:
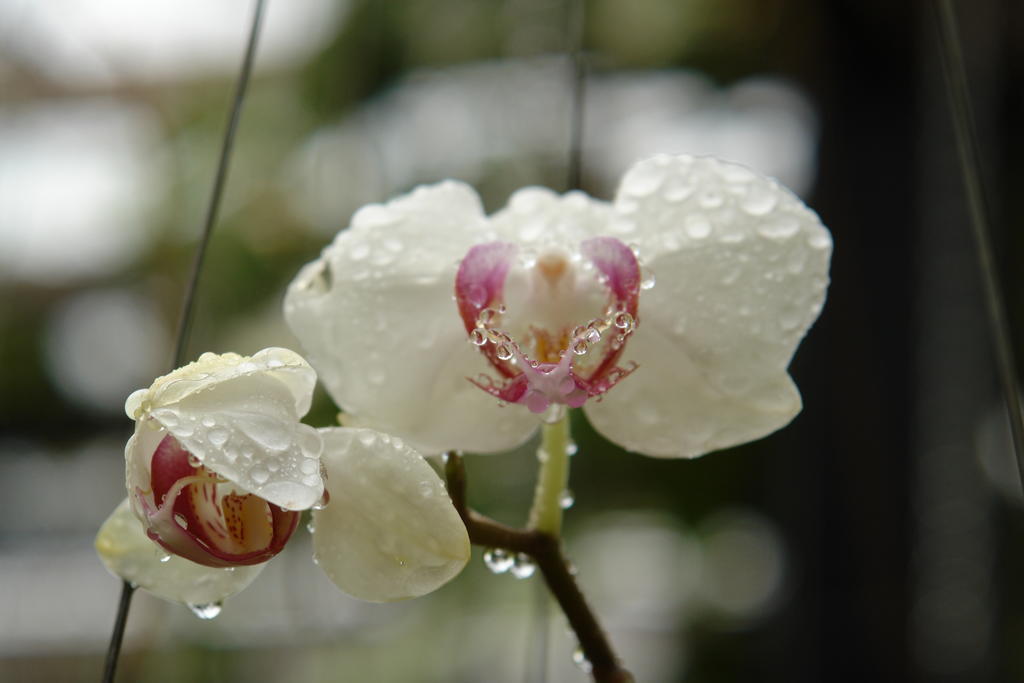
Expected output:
{"points": [[207, 610], [593, 335], [486, 316], [523, 566], [647, 279], [581, 661], [324, 500], [580, 347], [566, 500], [209, 421], [193, 461], [311, 526], [163, 557], [477, 337], [571, 448], [624, 321], [504, 352], [498, 560]]}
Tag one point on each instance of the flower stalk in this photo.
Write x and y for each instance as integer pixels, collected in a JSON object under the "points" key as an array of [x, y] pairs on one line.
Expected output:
{"points": [[545, 548], [546, 513]]}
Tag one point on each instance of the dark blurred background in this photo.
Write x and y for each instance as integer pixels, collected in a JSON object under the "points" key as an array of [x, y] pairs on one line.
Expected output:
{"points": [[875, 539]]}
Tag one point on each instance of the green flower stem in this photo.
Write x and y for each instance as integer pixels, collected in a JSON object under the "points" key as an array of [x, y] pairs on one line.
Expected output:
{"points": [[546, 513]]}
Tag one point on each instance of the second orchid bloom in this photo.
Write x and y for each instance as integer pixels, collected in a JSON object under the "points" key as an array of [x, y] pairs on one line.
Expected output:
{"points": [[220, 467]]}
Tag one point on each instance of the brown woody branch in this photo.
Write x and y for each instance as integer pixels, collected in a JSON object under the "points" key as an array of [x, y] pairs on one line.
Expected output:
{"points": [[546, 552]]}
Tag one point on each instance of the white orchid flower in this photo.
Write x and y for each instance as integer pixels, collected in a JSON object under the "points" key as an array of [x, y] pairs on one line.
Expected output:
{"points": [[553, 308], [220, 467]]}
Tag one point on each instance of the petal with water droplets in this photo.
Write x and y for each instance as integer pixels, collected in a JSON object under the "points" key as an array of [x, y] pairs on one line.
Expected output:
{"points": [[380, 326], [127, 553], [390, 531], [732, 303]]}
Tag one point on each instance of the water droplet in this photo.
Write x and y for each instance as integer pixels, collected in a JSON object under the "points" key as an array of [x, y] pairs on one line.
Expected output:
{"points": [[309, 466], [581, 661], [193, 461], [164, 557], [359, 251], [168, 419], [566, 500], [759, 200], [209, 421], [275, 363], [367, 438], [498, 560], [259, 475], [324, 501], [426, 489], [643, 180], [580, 347], [487, 316], [781, 229], [477, 337], [624, 321], [218, 437], [593, 335], [710, 198], [504, 352], [697, 227], [523, 566], [207, 610], [820, 240], [571, 448], [647, 279], [311, 526]]}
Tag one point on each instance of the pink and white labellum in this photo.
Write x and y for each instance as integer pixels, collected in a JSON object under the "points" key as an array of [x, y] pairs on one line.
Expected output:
{"points": [[195, 514], [565, 354]]}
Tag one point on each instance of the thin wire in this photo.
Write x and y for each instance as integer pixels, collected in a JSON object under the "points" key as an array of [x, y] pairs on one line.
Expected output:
{"points": [[185, 322], [187, 312], [970, 166], [578, 76]]}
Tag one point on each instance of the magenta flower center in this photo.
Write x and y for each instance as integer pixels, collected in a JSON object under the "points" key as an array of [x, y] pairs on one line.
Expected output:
{"points": [[557, 339], [193, 513]]}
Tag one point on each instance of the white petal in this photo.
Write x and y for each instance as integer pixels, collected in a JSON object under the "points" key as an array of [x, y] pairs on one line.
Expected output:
{"points": [[210, 369], [667, 408], [375, 315], [742, 269], [390, 531], [246, 430], [127, 552]]}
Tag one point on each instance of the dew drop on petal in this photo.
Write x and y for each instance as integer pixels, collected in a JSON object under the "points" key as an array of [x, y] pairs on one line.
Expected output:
{"points": [[259, 475], [498, 560], [193, 461], [208, 421], [477, 337], [207, 610], [710, 198], [311, 526], [504, 352], [697, 227], [523, 566], [218, 437], [781, 229], [580, 347]]}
